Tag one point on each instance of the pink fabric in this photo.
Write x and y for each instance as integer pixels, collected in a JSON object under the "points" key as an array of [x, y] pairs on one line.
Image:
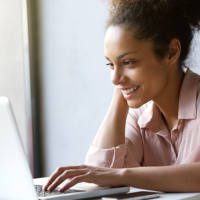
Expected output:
{"points": [[149, 142]]}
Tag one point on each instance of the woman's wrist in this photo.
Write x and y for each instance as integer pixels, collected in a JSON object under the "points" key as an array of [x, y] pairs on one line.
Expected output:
{"points": [[124, 176]]}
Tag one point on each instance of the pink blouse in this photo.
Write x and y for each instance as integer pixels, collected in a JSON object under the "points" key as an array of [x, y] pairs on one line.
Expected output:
{"points": [[149, 142]]}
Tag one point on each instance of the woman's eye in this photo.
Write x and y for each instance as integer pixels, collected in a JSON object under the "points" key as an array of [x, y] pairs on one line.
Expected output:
{"points": [[129, 62], [110, 65]]}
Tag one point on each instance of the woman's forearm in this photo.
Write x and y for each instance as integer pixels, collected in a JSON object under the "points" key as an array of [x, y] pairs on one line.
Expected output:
{"points": [[112, 130], [176, 178]]}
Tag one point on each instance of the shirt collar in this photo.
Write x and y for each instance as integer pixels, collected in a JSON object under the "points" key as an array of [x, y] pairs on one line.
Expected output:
{"points": [[151, 116]]}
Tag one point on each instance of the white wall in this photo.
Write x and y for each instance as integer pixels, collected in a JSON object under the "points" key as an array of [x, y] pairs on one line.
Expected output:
{"points": [[75, 81], [14, 68], [194, 58]]}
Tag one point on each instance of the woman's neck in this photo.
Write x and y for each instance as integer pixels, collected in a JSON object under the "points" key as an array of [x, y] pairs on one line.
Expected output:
{"points": [[168, 101]]}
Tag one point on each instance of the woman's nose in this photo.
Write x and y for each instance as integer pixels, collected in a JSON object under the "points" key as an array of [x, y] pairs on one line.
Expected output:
{"points": [[117, 76]]}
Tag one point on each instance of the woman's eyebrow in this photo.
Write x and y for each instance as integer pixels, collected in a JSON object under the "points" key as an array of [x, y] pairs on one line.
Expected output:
{"points": [[107, 58], [122, 55]]}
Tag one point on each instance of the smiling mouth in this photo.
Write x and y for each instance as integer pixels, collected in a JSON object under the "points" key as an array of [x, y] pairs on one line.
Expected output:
{"points": [[129, 92]]}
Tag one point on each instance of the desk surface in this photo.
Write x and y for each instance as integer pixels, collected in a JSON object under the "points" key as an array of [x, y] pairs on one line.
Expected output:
{"points": [[163, 196]]}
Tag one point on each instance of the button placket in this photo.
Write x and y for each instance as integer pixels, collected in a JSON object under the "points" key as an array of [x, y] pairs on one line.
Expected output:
{"points": [[174, 136]]}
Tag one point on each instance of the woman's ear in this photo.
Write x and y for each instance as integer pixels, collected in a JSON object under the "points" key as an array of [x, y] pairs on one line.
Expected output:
{"points": [[174, 51]]}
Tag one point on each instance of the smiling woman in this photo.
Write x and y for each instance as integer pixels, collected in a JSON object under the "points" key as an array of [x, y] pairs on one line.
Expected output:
{"points": [[134, 65], [152, 128]]}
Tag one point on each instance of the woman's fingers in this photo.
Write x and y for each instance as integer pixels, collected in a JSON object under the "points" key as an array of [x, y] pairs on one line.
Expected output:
{"points": [[57, 182], [54, 175], [76, 174], [58, 172], [74, 181], [67, 174]]}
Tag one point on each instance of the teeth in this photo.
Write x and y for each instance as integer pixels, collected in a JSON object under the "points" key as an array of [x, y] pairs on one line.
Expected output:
{"points": [[127, 91]]}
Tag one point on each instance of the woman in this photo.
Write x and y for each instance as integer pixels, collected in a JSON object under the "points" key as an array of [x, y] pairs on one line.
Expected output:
{"points": [[150, 137]]}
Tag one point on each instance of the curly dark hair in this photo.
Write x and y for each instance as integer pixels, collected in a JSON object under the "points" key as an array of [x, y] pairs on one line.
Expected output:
{"points": [[159, 21]]}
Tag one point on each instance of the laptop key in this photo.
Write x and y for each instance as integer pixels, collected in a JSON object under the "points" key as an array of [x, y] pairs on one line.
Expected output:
{"points": [[41, 193]]}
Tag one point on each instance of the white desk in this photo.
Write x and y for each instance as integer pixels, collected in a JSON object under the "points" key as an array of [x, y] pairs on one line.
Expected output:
{"points": [[163, 196]]}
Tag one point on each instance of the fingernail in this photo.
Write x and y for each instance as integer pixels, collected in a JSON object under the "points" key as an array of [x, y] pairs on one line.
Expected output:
{"points": [[61, 190]]}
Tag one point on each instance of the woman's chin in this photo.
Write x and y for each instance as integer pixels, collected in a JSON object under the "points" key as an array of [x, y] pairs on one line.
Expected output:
{"points": [[134, 104]]}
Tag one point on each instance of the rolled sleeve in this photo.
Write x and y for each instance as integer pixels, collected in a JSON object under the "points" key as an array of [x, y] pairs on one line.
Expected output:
{"points": [[112, 157]]}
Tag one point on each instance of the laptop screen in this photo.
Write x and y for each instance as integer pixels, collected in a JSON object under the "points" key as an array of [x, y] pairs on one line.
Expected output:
{"points": [[16, 181]]}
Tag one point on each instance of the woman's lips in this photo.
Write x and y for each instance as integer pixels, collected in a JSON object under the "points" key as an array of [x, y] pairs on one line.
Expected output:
{"points": [[129, 92]]}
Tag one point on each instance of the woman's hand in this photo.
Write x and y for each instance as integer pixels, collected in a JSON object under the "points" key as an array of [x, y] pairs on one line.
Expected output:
{"points": [[118, 100], [106, 177]]}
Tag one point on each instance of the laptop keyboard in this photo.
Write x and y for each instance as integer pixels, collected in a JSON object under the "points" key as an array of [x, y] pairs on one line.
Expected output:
{"points": [[41, 193]]}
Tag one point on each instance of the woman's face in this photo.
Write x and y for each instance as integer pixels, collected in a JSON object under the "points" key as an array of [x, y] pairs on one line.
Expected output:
{"points": [[135, 69]]}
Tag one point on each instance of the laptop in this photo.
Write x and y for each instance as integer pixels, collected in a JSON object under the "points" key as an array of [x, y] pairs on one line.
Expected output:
{"points": [[16, 182]]}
